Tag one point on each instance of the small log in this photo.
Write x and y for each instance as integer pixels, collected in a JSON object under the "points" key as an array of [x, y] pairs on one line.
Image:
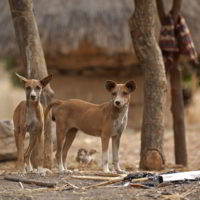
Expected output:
{"points": [[30, 181]]}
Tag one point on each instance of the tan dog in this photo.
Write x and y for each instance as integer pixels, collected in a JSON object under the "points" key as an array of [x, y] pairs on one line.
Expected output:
{"points": [[29, 117], [104, 120]]}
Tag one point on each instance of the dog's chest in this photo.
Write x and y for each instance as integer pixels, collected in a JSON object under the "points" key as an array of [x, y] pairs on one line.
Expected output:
{"points": [[120, 123], [32, 121]]}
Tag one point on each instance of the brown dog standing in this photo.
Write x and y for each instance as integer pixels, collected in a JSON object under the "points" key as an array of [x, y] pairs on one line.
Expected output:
{"points": [[29, 117], [104, 120]]}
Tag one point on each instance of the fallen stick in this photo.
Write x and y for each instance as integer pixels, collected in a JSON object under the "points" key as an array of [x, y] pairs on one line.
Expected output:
{"points": [[96, 178], [98, 173], [21, 185], [29, 181], [139, 180], [72, 185], [32, 191], [114, 180], [139, 186]]}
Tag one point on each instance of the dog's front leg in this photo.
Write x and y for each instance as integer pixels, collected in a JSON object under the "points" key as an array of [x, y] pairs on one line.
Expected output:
{"points": [[105, 143], [32, 143], [19, 139], [115, 153]]}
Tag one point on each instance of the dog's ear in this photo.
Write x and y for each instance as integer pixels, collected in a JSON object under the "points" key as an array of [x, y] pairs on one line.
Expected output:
{"points": [[46, 80], [109, 85], [130, 85], [21, 77]]}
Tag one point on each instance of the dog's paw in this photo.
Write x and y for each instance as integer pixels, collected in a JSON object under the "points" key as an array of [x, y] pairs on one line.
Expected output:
{"points": [[29, 168], [120, 171], [106, 170], [21, 173]]}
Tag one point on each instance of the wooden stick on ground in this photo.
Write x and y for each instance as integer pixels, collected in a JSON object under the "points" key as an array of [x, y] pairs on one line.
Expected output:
{"points": [[30, 181], [21, 185], [72, 185], [98, 173], [113, 180], [96, 178], [139, 186]]}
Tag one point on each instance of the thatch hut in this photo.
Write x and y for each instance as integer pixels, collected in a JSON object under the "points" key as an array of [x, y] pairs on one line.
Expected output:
{"points": [[79, 34]]}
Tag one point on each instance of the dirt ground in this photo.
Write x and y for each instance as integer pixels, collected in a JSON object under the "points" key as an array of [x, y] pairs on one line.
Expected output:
{"points": [[129, 155]]}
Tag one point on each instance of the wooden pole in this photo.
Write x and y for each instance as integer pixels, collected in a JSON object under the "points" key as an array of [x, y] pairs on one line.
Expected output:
{"points": [[177, 104]]}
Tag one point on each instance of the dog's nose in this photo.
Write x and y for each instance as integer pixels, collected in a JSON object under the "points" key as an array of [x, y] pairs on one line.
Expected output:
{"points": [[33, 97], [117, 103]]}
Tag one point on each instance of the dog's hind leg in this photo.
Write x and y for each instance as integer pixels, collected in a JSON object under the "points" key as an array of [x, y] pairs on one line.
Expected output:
{"points": [[69, 138], [105, 143], [60, 136]]}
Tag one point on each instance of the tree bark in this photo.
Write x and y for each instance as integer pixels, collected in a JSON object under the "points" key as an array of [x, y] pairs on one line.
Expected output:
{"points": [[33, 58], [177, 104], [177, 108], [155, 84]]}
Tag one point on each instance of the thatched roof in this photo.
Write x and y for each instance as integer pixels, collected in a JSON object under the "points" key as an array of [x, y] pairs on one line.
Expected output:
{"points": [[85, 27], [63, 24]]}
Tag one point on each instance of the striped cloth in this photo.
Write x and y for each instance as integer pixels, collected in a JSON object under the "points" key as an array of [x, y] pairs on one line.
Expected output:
{"points": [[175, 38]]}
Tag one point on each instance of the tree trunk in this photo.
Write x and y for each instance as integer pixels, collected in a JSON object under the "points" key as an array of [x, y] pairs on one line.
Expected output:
{"points": [[177, 106], [33, 58], [155, 84]]}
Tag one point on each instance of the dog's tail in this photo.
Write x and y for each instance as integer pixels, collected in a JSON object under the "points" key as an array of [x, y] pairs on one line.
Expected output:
{"points": [[48, 109]]}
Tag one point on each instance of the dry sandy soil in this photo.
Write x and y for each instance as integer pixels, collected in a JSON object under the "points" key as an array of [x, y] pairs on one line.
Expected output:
{"points": [[129, 153]]}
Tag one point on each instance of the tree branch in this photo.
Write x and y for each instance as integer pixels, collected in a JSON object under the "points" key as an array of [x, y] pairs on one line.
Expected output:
{"points": [[176, 8], [161, 10]]}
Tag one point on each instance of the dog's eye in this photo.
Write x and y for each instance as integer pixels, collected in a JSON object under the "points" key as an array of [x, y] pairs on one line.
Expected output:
{"points": [[28, 88], [38, 88], [114, 93], [125, 93]]}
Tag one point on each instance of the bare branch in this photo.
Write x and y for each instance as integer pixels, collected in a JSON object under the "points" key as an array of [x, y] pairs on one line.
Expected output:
{"points": [[161, 10], [176, 8]]}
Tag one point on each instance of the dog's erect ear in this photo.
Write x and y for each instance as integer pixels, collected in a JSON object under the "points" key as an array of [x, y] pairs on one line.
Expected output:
{"points": [[46, 80], [21, 77], [109, 85], [130, 85]]}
